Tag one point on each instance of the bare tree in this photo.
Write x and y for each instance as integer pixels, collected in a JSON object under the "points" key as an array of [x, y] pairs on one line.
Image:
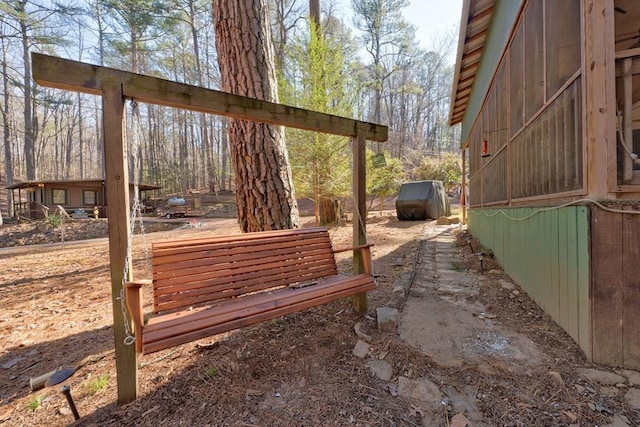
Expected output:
{"points": [[4, 110], [285, 16], [24, 18], [28, 112], [387, 37]]}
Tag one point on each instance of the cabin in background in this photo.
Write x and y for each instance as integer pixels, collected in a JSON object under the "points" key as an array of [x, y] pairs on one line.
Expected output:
{"points": [[35, 199], [548, 96]]}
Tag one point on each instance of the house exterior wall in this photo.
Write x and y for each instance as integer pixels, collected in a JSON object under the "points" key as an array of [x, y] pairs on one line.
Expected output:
{"points": [[581, 264], [74, 195], [547, 254], [557, 144], [615, 286], [504, 16], [86, 195], [29, 200], [527, 107]]}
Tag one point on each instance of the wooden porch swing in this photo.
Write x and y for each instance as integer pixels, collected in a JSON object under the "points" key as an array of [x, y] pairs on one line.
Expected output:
{"points": [[207, 286], [116, 86]]}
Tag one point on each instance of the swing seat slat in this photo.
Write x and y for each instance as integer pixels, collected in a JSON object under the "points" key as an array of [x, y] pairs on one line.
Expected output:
{"points": [[204, 287]]}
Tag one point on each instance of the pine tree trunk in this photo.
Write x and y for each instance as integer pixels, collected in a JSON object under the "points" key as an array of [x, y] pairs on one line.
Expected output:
{"points": [[314, 12], [264, 190]]}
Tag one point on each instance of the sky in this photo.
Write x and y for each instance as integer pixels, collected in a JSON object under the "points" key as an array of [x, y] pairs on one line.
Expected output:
{"points": [[430, 17], [433, 17]]}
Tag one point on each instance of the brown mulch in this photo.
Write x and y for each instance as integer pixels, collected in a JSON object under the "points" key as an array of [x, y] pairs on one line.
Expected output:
{"points": [[294, 371]]}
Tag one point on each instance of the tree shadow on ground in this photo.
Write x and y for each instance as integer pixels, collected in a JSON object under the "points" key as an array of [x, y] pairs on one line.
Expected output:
{"points": [[30, 361], [295, 370]]}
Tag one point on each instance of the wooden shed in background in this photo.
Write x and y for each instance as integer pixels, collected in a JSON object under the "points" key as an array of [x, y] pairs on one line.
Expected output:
{"points": [[548, 95]]}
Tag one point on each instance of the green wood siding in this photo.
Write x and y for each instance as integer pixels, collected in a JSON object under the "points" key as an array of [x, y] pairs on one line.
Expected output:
{"points": [[548, 255]]}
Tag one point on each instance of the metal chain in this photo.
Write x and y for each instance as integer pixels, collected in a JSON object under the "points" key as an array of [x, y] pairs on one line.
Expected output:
{"points": [[363, 226], [135, 215]]}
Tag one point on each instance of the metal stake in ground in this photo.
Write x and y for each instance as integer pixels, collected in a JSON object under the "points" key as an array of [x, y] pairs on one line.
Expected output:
{"points": [[67, 393], [481, 259]]}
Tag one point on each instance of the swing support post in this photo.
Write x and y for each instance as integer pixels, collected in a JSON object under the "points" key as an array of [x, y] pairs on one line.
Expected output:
{"points": [[117, 191], [360, 211]]}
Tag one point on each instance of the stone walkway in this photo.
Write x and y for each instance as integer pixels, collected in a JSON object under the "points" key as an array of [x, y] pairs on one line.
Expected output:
{"points": [[444, 323], [436, 312]]}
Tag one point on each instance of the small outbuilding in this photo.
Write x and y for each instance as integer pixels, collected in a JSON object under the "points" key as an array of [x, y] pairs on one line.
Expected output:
{"points": [[32, 199], [421, 200]]}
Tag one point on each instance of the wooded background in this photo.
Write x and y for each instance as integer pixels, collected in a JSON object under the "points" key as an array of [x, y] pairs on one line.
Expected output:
{"points": [[364, 63]]}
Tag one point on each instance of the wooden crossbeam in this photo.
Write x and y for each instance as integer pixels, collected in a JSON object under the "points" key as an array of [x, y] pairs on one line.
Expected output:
{"points": [[77, 76]]}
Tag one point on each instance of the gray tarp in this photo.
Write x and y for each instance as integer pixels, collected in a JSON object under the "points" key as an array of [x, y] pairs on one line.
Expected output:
{"points": [[421, 200]]}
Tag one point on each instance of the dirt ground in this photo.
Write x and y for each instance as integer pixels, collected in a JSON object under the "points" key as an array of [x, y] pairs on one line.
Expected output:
{"points": [[299, 370]]}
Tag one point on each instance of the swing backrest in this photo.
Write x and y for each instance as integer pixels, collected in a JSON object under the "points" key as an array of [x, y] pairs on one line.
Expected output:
{"points": [[193, 272]]}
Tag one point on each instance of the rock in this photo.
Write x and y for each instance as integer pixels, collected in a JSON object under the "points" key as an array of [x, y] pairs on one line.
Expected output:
{"points": [[633, 396], [387, 319], [358, 330], [632, 376], [398, 290], [11, 363], [361, 349], [392, 388], [599, 407], [506, 285], [601, 377], [494, 271], [556, 377], [381, 369], [421, 389], [460, 420], [579, 389], [515, 292], [443, 220]]}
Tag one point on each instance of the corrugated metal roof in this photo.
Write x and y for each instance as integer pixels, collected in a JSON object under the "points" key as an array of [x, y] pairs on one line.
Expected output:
{"points": [[474, 25]]}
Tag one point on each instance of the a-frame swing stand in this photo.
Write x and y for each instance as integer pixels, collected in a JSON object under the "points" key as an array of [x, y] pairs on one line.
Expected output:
{"points": [[116, 86]]}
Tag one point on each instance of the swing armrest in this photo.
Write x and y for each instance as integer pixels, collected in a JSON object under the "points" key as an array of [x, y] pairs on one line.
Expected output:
{"points": [[353, 248], [365, 251], [137, 284], [133, 299]]}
